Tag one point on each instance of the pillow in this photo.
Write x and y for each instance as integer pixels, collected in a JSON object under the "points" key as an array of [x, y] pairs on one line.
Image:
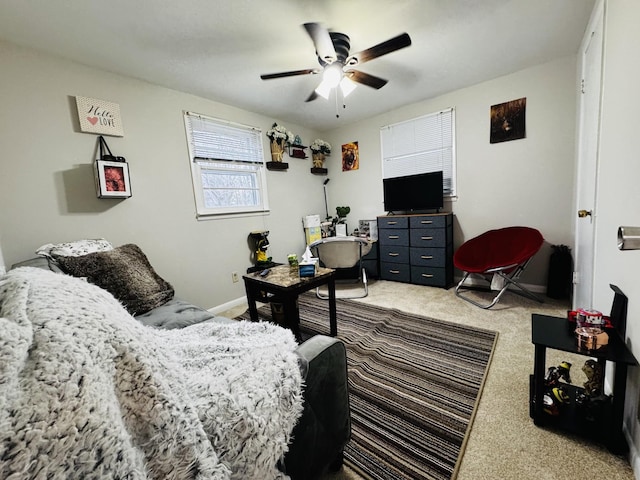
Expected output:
{"points": [[74, 249], [126, 273]]}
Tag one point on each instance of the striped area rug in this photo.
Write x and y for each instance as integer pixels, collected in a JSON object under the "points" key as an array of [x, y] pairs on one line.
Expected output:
{"points": [[414, 386]]}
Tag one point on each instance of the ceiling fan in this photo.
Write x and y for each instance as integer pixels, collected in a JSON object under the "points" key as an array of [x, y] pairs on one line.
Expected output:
{"points": [[332, 49]]}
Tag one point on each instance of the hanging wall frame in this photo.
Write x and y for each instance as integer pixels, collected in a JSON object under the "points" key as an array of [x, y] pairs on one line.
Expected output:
{"points": [[111, 173], [112, 179]]}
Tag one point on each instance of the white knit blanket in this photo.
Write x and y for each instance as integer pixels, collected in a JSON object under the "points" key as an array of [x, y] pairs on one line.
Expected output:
{"points": [[87, 392]]}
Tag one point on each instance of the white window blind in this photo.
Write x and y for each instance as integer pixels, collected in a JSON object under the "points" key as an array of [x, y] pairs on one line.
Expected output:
{"points": [[227, 166], [421, 145]]}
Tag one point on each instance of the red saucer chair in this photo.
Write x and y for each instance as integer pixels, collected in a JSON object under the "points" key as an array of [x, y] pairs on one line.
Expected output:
{"points": [[499, 256]]}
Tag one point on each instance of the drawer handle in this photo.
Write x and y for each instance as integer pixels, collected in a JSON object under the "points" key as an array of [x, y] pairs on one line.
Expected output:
{"points": [[394, 237], [426, 238], [392, 223], [426, 222], [426, 257], [394, 254], [395, 272], [426, 275]]}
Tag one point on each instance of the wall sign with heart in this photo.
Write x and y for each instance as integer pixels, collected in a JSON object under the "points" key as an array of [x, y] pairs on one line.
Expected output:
{"points": [[99, 116]]}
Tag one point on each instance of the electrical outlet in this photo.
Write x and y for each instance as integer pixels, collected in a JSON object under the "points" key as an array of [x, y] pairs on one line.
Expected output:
{"points": [[234, 277]]}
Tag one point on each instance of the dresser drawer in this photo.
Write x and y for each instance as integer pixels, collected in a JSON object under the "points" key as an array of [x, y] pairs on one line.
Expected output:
{"points": [[429, 221], [390, 236], [428, 237], [394, 254], [427, 257], [430, 276], [398, 272], [393, 222]]}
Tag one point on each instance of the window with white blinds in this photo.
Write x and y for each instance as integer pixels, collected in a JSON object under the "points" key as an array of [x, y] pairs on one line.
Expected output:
{"points": [[421, 145], [227, 166]]}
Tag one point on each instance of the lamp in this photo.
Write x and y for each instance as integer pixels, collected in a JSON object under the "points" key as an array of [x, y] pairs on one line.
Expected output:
{"points": [[326, 207]]}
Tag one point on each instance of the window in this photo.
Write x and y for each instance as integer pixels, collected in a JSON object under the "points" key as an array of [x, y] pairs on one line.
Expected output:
{"points": [[421, 145], [227, 166]]}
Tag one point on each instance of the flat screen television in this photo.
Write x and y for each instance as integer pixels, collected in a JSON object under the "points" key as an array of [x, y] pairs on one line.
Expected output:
{"points": [[422, 192]]}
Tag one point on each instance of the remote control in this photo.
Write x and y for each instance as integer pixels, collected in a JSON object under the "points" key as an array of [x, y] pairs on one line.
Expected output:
{"points": [[265, 272]]}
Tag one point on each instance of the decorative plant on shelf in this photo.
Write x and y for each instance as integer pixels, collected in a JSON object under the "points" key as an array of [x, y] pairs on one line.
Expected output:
{"points": [[319, 148], [280, 137]]}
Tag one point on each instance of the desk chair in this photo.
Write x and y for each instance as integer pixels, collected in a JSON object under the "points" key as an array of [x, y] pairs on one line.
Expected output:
{"points": [[343, 254]]}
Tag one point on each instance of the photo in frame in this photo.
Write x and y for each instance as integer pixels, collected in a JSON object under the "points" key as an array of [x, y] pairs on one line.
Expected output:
{"points": [[112, 179], [350, 156], [99, 116], [508, 121]]}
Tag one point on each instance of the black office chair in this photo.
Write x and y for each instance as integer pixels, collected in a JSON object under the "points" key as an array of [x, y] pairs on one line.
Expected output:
{"points": [[343, 254]]}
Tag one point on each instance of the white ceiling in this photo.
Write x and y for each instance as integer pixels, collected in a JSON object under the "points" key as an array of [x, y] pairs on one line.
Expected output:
{"points": [[217, 49]]}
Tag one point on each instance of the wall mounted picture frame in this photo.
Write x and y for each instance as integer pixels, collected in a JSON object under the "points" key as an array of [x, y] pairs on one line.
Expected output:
{"points": [[350, 156], [99, 116], [112, 179], [508, 121]]}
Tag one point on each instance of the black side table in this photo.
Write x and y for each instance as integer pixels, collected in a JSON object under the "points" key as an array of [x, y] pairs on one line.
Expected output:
{"points": [[557, 333], [285, 285]]}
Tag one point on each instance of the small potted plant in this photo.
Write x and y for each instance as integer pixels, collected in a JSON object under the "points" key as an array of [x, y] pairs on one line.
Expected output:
{"points": [[319, 149], [280, 137]]}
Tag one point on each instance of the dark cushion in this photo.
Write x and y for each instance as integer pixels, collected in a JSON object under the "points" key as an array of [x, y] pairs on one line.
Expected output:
{"points": [[126, 273]]}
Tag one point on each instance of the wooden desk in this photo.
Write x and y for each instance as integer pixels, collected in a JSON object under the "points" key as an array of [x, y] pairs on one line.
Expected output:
{"points": [[285, 285]]}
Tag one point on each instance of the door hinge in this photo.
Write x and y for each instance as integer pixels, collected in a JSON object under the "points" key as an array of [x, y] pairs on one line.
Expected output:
{"points": [[582, 86], [575, 277]]}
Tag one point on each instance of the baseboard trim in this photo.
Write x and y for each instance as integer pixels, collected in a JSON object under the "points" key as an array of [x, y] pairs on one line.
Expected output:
{"points": [[633, 455], [229, 305]]}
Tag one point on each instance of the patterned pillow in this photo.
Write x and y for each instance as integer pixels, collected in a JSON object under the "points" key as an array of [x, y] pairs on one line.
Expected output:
{"points": [[126, 273], [74, 249]]}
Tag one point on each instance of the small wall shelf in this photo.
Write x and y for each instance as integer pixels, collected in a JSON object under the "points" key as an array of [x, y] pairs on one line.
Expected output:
{"points": [[277, 166], [319, 171], [297, 151]]}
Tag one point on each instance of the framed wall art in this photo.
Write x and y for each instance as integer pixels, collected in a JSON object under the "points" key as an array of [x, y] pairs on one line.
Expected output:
{"points": [[508, 121], [350, 156], [99, 116], [112, 179]]}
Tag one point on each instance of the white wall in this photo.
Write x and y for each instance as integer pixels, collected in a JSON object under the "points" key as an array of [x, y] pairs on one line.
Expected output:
{"points": [[521, 182], [618, 200], [47, 180], [47, 189]]}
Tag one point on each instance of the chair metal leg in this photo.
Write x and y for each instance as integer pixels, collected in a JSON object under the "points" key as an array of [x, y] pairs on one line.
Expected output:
{"points": [[365, 285], [509, 280]]}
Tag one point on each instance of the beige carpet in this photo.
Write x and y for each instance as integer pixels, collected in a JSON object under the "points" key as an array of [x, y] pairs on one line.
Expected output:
{"points": [[504, 443]]}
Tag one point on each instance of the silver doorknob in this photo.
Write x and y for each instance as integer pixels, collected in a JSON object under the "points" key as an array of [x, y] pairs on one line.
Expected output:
{"points": [[584, 213]]}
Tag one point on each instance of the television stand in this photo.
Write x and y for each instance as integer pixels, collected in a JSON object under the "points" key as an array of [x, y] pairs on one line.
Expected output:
{"points": [[417, 248]]}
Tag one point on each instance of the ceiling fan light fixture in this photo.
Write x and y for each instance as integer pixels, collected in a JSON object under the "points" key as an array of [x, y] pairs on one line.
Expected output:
{"points": [[324, 90], [332, 75], [347, 86]]}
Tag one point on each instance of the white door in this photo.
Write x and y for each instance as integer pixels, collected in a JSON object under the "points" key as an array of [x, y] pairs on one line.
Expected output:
{"points": [[587, 169]]}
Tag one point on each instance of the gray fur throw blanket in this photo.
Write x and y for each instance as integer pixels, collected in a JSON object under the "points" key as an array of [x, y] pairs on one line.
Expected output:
{"points": [[87, 392]]}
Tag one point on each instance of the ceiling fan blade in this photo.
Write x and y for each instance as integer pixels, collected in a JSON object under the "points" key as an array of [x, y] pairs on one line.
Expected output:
{"points": [[290, 74], [312, 97], [366, 79], [322, 41], [391, 45]]}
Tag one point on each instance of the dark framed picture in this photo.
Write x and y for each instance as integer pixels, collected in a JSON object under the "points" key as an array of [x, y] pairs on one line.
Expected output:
{"points": [[112, 179], [508, 121]]}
